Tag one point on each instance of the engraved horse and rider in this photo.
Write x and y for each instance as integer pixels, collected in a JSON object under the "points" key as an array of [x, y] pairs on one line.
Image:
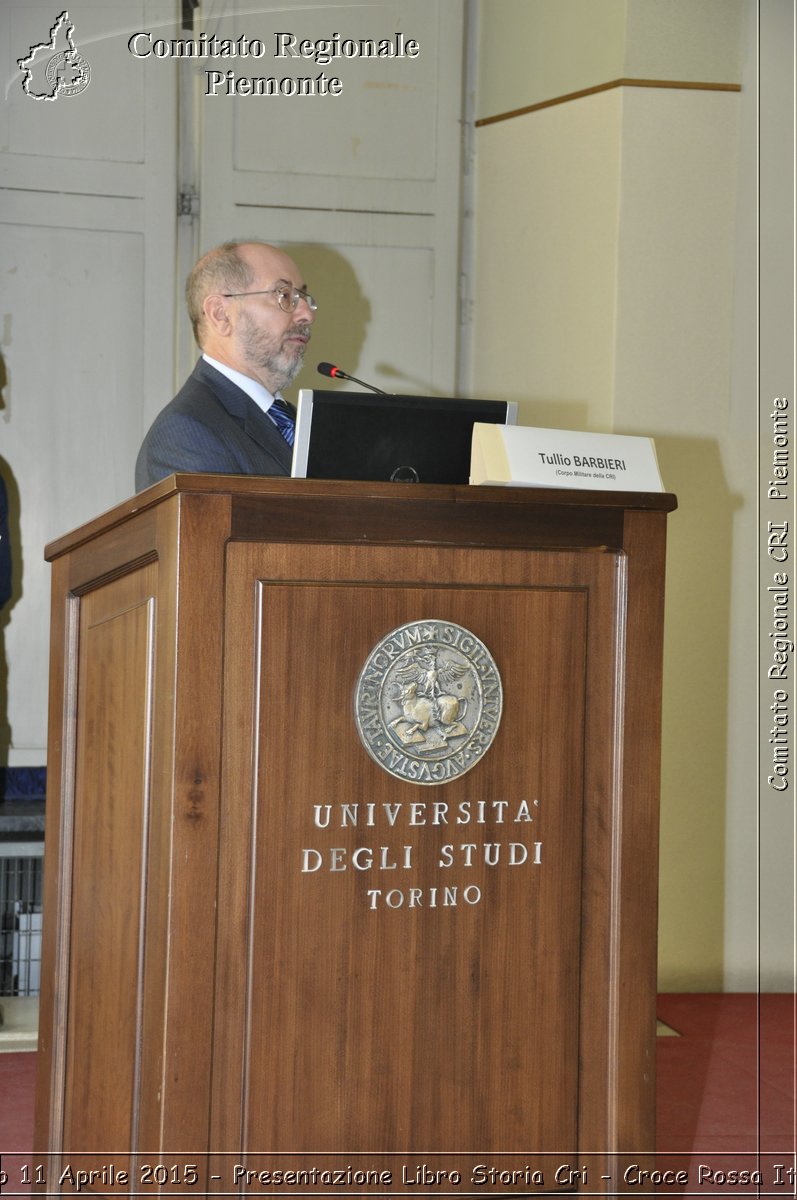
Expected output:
{"points": [[430, 715]]}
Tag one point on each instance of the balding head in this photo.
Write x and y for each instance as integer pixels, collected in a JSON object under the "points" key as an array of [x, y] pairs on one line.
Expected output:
{"points": [[234, 306], [220, 270]]}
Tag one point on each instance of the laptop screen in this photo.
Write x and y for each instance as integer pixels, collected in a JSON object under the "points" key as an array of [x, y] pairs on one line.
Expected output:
{"points": [[413, 439]]}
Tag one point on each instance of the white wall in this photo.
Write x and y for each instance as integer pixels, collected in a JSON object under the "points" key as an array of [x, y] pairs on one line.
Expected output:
{"points": [[87, 217], [364, 188]]}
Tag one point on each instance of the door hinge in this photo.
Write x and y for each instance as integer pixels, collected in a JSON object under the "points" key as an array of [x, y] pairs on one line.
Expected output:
{"points": [[188, 203]]}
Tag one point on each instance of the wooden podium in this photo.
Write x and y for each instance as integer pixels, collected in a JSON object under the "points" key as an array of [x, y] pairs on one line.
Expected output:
{"points": [[272, 947]]}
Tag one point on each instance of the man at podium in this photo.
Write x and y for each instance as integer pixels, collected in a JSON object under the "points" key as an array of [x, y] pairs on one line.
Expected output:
{"points": [[252, 318]]}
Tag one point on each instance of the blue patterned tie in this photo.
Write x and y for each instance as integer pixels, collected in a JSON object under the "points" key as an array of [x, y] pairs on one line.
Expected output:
{"points": [[282, 416]]}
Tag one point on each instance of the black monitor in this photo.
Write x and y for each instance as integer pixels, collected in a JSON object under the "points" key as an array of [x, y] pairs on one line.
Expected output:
{"points": [[413, 439]]}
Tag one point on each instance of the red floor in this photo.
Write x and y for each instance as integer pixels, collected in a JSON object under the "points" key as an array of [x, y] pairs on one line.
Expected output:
{"points": [[17, 1073], [726, 1097], [726, 1094]]}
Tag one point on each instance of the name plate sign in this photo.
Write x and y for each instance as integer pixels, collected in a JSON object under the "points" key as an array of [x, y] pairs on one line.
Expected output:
{"points": [[521, 456]]}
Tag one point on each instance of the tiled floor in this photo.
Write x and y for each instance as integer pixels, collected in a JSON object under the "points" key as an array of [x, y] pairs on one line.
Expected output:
{"points": [[726, 1095]]}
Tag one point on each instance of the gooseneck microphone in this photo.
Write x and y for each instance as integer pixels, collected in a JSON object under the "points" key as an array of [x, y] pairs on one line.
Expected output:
{"points": [[333, 372]]}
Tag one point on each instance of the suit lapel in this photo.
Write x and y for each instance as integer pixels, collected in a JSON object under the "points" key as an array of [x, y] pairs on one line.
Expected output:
{"points": [[262, 430], [259, 427]]}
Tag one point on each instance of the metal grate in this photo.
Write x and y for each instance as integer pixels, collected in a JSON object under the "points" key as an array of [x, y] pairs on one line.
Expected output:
{"points": [[20, 917]]}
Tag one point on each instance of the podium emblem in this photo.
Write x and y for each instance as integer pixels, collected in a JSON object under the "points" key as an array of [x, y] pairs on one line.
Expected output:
{"points": [[428, 702]]}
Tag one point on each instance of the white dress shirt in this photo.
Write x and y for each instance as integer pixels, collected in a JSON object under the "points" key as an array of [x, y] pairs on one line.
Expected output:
{"points": [[255, 390]]}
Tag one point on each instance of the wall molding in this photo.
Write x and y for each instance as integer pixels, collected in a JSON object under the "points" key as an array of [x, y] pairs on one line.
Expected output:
{"points": [[605, 87]]}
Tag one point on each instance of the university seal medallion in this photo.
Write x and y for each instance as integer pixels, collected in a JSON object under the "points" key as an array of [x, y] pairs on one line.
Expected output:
{"points": [[428, 702]]}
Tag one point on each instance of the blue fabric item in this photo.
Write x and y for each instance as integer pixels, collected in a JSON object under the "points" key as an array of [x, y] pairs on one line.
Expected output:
{"points": [[28, 784], [282, 416]]}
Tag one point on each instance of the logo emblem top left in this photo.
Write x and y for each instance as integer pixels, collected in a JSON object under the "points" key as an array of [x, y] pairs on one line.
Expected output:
{"points": [[55, 68]]}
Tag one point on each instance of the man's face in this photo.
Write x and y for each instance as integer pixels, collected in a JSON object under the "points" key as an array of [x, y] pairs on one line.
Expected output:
{"points": [[269, 344]]}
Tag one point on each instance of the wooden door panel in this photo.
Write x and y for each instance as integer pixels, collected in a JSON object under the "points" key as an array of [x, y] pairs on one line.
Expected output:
{"points": [[371, 934], [113, 715]]}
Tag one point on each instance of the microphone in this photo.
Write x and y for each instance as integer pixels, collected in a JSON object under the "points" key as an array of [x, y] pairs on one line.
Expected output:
{"points": [[333, 372]]}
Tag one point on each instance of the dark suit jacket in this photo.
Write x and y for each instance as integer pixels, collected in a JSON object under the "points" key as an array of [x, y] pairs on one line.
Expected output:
{"points": [[211, 425]]}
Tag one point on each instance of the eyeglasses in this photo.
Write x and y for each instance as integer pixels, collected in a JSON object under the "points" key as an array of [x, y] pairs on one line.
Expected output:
{"points": [[287, 297]]}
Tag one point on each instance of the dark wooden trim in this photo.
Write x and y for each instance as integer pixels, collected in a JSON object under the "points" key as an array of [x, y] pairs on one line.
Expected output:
{"points": [[683, 84], [311, 495], [402, 520]]}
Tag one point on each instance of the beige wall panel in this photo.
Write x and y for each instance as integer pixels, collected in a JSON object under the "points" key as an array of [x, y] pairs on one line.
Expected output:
{"points": [[533, 50], [537, 50], [679, 349], [681, 39], [674, 329], [543, 292], [675, 258]]}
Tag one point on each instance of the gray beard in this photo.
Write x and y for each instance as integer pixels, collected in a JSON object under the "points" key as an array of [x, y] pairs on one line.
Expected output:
{"points": [[275, 365]]}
